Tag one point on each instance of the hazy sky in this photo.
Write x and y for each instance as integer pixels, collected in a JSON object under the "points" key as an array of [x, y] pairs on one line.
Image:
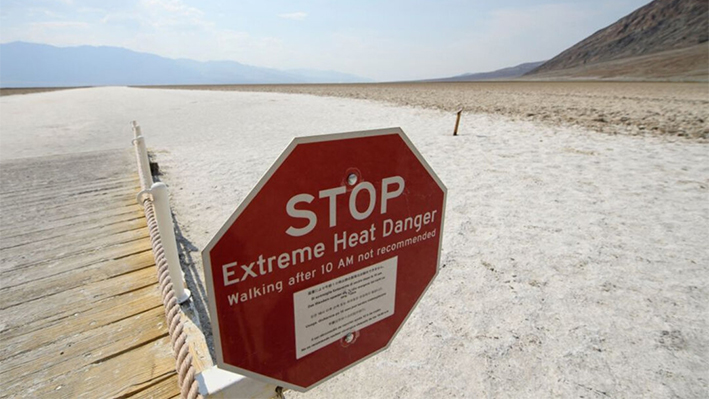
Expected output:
{"points": [[381, 40]]}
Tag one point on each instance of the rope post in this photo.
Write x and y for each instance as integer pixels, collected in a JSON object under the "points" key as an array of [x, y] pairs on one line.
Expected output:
{"points": [[141, 153], [161, 203], [457, 122], [146, 179]]}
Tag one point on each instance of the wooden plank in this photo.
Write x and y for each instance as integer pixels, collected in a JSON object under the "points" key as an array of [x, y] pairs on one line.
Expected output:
{"points": [[67, 222], [47, 213], [24, 175], [110, 226], [165, 388], [44, 287], [91, 195], [43, 331], [83, 167], [92, 346], [67, 303], [10, 276], [38, 235], [71, 188], [26, 256], [32, 179], [16, 258], [75, 238], [9, 189], [71, 206], [105, 199], [36, 187], [49, 209], [80, 310], [115, 377], [67, 219]]}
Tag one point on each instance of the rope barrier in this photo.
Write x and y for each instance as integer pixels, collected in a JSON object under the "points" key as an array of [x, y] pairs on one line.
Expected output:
{"points": [[189, 388]]}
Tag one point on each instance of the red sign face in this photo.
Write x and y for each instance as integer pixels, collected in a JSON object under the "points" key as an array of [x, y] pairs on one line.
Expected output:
{"points": [[325, 259]]}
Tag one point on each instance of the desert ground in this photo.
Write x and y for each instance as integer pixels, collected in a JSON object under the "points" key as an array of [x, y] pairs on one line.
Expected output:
{"points": [[29, 90], [574, 259], [634, 108]]}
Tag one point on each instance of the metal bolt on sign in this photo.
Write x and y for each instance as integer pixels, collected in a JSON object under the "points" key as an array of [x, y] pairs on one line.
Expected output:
{"points": [[349, 338]]}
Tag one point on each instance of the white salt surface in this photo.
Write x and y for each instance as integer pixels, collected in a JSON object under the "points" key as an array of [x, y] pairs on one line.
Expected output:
{"points": [[575, 264]]}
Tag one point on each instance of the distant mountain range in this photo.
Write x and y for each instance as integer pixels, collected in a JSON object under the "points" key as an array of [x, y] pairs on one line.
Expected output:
{"points": [[505, 73], [40, 65], [665, 39]]}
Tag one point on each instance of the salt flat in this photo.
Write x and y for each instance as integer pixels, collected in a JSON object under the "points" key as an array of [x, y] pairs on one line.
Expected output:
{"points": [[634, 108], [574, 263]]}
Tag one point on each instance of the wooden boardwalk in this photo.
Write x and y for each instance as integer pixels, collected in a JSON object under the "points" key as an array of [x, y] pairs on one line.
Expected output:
{"points": [[80, 312]]}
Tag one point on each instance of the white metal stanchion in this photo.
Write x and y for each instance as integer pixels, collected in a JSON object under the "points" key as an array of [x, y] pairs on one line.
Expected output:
{"points": [[161, 203], [141, 152]]}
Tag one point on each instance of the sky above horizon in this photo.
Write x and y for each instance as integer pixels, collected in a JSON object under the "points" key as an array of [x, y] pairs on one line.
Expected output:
{"points": [[379, 40]]}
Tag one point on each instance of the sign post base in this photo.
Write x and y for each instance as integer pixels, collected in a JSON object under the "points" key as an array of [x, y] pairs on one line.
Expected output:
{"points": [[217, 383]]}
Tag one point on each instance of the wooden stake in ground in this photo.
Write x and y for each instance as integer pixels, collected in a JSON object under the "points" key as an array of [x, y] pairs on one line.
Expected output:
{"points": [[457, 122]]}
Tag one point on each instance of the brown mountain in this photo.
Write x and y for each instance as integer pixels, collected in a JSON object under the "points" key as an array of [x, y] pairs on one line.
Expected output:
{"points": [[499, 74], [665, 39]]}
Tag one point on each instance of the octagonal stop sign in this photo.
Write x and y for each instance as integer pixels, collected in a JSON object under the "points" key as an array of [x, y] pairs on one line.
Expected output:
{"points": [[325, 259]]}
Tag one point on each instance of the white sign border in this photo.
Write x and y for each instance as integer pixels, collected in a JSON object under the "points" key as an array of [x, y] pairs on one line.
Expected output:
{"points": [[206, 263]]}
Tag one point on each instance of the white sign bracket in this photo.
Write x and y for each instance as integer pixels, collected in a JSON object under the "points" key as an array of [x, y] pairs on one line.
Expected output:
{"points": [[217, 383]]}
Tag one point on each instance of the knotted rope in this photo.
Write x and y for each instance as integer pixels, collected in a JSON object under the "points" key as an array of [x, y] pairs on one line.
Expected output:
{"points": [[189, 388]]}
